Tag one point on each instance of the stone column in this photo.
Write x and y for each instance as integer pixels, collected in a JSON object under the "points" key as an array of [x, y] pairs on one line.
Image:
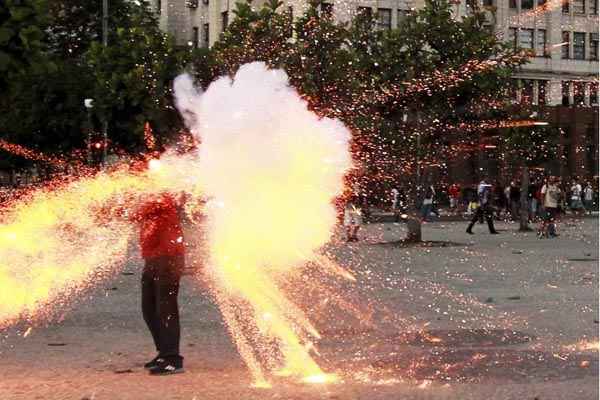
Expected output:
{"points": [[554, 92]]}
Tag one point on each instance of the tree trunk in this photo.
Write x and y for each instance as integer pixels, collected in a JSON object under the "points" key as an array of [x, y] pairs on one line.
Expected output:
{"points": [[524, 220], [413, 224]]}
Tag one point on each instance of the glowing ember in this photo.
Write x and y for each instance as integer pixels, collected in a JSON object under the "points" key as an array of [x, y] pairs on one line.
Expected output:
{"points": [[271, 169], [321, 378]]}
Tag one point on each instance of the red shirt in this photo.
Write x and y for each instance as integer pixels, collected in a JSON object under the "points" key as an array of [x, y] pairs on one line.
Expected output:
{"points": [[160, 228], [454, 190]]}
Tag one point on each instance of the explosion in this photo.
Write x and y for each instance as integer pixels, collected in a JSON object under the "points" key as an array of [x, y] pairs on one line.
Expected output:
{"points": [[271, 169]]}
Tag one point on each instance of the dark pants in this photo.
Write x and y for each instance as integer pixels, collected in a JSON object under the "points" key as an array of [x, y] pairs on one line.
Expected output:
{"points": [[160, 287], [483, 211]]}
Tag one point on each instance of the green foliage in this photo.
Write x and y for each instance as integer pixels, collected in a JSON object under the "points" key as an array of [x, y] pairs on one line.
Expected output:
{"points": [[75, 24], [22, 38], [132, 79], [261, 35], [368, 78]]}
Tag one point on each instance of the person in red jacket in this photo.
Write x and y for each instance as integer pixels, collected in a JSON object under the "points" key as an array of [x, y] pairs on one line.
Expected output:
{"points": [[161, 241]]}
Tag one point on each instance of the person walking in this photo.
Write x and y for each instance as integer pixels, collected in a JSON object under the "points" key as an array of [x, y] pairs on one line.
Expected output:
{"points": [[162, 246], [552, 197], [484, 192], [588, 198]]}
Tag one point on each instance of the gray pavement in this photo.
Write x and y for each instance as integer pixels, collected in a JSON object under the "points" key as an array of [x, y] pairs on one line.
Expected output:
{"points": [[504, 316]]}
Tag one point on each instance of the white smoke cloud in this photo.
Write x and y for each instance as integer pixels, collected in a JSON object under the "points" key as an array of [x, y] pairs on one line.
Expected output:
{"points": [[271, 169], [271, 165]]}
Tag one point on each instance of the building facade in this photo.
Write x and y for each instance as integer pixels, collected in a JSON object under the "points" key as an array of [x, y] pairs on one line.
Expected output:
{"points": [[561, 34], [561, 81]]}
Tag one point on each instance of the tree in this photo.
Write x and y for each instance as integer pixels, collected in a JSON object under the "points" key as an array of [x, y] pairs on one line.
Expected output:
{"points": [[22, 25], [447, 75], [262, 35], [132, 79]]}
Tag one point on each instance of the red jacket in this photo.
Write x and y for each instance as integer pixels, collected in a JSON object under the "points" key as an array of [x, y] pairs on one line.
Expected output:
{"points": [[160, 228]]}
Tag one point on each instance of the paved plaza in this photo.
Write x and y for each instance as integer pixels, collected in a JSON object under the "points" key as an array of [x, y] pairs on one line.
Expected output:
{"points": [[461, 317]]}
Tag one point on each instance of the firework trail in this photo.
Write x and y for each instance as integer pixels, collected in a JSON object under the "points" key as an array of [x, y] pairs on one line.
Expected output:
{"points": [[272, 169], [69, 236]]}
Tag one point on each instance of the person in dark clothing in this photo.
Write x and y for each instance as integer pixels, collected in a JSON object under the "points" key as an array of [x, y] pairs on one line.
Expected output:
{"points": [[532, 200], [499, 200], [515, 200], [161, 240], [484, 192]]}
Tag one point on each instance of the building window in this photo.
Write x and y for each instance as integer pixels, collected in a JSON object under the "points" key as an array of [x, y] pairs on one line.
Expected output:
{"points": [[565, 6], [566, 43], [579, 45], [365, 11], [158, 6], [541, 43], [593, 46], [526, 4], [512, 3], [402, 15], [195, 37], [206, 34], [542, 93], [594, 7], [541, 2], [327, 10], [526, 38], [488, 3], [566, 85], [384, 18], [578, 93], [578, 6], [224, 21]]}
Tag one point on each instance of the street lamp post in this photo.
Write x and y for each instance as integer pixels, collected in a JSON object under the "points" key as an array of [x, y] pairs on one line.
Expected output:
{"points": [[105, 44], [89, 104]]}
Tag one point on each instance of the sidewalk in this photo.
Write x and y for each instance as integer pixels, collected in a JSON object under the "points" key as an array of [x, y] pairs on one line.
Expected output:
{"points": [[445, 216], [489, 317]]}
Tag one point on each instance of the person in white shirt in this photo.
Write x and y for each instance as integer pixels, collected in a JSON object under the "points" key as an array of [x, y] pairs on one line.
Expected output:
{"points": [[551, 195], [395, 198], [588, 198], [576, 203]]}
